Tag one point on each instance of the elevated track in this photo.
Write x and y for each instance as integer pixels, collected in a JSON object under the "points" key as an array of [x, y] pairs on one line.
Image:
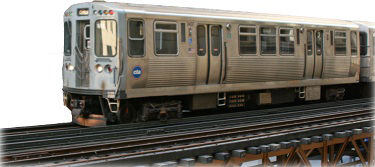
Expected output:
{"points": [[190, 137]]}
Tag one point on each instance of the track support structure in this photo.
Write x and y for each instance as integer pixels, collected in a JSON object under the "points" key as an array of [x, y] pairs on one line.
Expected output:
{"points": [[331, 148]]}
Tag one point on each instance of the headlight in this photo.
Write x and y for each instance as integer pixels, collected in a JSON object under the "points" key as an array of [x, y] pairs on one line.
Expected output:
{"points": [[69, 67], [99, 68]]}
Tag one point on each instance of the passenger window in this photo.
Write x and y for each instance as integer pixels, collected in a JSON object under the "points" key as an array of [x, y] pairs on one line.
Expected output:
{"points": [[309, 43], [286, 41], [215, 40], [106, 38], [201, 40], [136, 38], [166, 38], [248, 42], [67, 38], [268, 40], [340, 42], [363, 43], [353, 43]]}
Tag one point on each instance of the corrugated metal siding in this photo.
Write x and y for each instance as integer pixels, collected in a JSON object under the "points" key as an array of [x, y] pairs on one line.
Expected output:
{"points": [[165, 72], [244, 69], [336, 66]]}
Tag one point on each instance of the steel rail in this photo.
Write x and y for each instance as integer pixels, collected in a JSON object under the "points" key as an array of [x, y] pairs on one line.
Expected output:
{"points": [[147, 153], [38, 129], [71, 132], [246, 128], [99, 133], [92, 137]]}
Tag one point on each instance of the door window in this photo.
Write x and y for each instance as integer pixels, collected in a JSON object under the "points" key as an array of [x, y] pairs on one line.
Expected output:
{"points": [[201, 40], [215, 40], [87, 37], [319, 43], [309, 43]]}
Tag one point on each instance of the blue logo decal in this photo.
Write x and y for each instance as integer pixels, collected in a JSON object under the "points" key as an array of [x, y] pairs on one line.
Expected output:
{"points": [[137, 72]]}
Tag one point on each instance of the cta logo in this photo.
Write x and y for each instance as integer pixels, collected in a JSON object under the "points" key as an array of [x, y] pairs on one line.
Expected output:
{"points": [[137, 72]]}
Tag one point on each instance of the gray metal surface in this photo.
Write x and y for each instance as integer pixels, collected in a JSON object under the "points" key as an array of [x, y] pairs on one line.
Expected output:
{"points": [[186, 73]]}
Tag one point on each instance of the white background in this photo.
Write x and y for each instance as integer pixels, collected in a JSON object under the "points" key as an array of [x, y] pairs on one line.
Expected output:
{"points": [[31, 47]]}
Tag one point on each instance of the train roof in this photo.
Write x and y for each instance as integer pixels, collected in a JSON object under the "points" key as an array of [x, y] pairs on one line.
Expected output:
{"points": [[367, 24], [223, 14]]}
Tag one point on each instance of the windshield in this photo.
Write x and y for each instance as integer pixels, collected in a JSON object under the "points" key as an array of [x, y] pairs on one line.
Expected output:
{"points": [[105, 38]]}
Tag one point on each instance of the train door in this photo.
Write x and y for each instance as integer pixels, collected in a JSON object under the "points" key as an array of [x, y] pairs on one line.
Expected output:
{"points": [[314, 54], [209, 50], [82, 53]]}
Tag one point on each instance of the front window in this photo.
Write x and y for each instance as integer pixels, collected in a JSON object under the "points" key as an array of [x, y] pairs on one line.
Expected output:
{"points": [[106, 38], [67, 38]]}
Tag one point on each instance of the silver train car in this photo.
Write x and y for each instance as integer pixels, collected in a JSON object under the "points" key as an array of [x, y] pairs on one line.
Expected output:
{"points": [[128, 63], [367, 42]]}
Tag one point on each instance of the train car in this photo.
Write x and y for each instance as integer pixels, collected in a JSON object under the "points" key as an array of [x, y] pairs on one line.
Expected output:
{"points": [[367, 71], [367, 38], [131, 63]]}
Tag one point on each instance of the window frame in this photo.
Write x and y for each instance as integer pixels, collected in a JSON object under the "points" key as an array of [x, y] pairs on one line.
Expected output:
{"points": [[373, 44], [346, 42], [117, 37], [267, 35], [170, 31], [248, 34], [129, 38], [286, 35]]}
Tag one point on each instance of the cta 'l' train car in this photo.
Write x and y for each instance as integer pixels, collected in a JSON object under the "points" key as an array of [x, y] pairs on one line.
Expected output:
{"points": [[127, 62], [367, 37]]}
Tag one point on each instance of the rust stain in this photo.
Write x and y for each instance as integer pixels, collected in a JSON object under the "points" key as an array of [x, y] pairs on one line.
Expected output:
{"points": [[92, 121]]}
